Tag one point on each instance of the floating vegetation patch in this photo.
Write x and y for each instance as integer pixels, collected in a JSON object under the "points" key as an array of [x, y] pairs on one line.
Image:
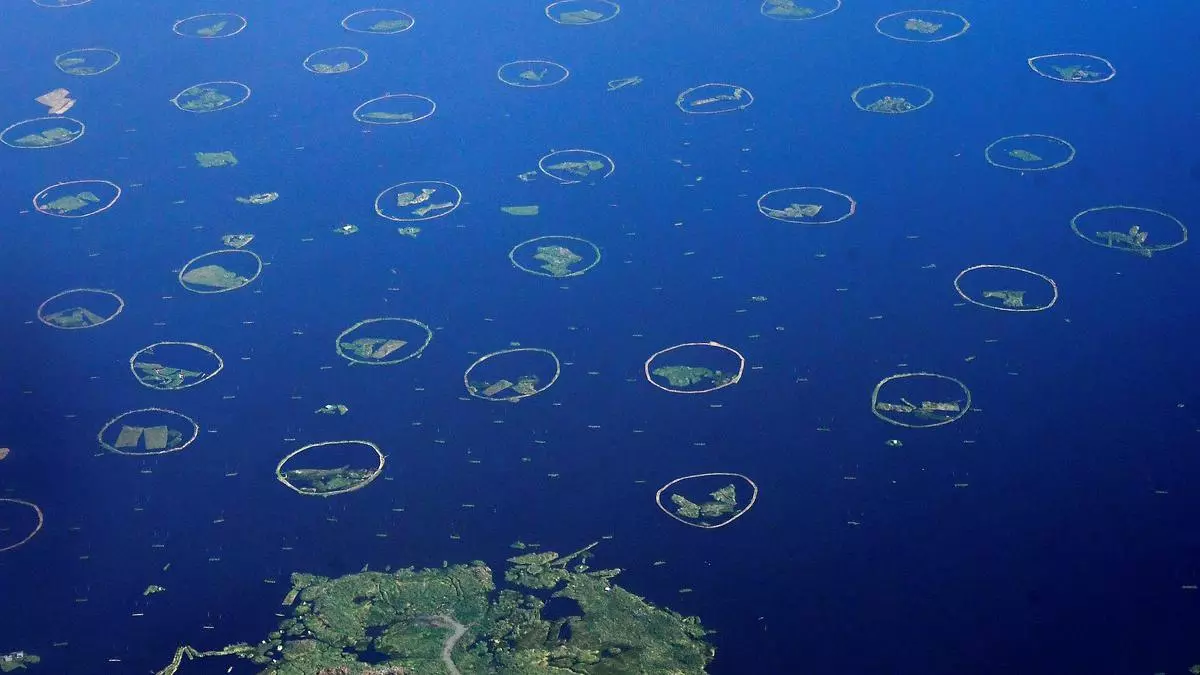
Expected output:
{"points": [[807, 205], [172, 365], [88, 61], [80, 308], [713, 98], [258, 199], [891, 98], [1132, 229], [555, 256], [378, 21], [707, 500], [695, 367], [77, 198], [512, 374], [532, 74], [208, 97], [576, 165], [1073, 67], [582, 12], [922, 25], [1029, 152], [42, 133], [920, 400], [237, 240], [335, 60], [210, 26], [798, 10], [418, 200], [331, 468], [221, 271], [148, 431], [1006, 288], [395, 109], [209, 160], [383, 341]]}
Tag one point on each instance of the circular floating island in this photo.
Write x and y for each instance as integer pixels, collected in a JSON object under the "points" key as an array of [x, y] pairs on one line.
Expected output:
{"points": [[556, 256], [395, 109], [695, 367], [77, 198], [575, 165], [418, 200], [533, 73], [798, 10], [210, 26], [42, 132], [335, 60], [148, 431], [707, 500], [713, 98], [1073, 67], [1029, 152], [922, 25], [891, 98], [236, 268], [18, 516], [807, 205], [80, 308], [378, 21], [208, 97], [512, 374], [582, 12], [88, 61], [1129, 228], [383, 341], [171, 365], [1006, 288], [337, 467], [941, 400]]}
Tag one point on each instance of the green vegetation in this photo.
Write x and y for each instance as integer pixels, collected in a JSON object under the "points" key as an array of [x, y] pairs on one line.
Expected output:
{"points": [[581, 169], [891, 104], [152, 589], [1024, 155], [151, 438], [74, 317], [390, 26], [375, 349], [49, 137], [520, 210], [934, 411], [795, 211], [202, 99], [237, 240], [388, 116], [724, 502], [580, 16], [1014, 299], [214, 276], [158, 376], [69, 203], [1075, 73], [326, 68], [787, 9], [332, 409], [17, 660], [685, 376], [321, 481], [209, 160], [1133, 241], [213, 30], [260, 198], [922, 26], [557, 260], [408, 231]]}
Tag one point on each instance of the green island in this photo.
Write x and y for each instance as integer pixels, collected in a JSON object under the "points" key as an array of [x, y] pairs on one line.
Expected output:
{"points": [[202, 99], [408, 231], [389, 116], [74, 317], [17, 660], [1133, 241], [321, 481], [158, 376], [581, 169], [1024, 155], [390, 26], [686, 376], [214, 276], [795, 211], [531, 210], [1075, 72], [152, 590], [922, 26], [49, 137], [455, 620], [557, 260], [724, 502], [531, 76], [1014, 299], [891, 104], [210, 31], [332, 409], [937, 411], [347, 228], [788, 9], [69, 203], [209, 160], [150, 438], [327, 69], [373, 348], [260, 198], [237, 240], [525, 385]]}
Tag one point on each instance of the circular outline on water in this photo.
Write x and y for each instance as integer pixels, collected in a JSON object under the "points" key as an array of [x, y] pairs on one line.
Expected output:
{"points": [[1041, 168], [59, 6], [614, 5], [120, 307], [966, 25], [875, 399], [82, 130], [685, 92], [1109, 207], [340, 72], [973, 301], [220, 251], [805, 18], [581, 272], [175, 26], [88, 49], [175, 99], [22, 502], [612, 166], [337, 343], [711, 343], [432, 110], [72, 182], [519, 396], [856, 92], [112, 448], [197, 345], [853, 204], [357, 486], [753, 498], [457, 202], [412, 21], [566, 71], [1112, 69]]}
